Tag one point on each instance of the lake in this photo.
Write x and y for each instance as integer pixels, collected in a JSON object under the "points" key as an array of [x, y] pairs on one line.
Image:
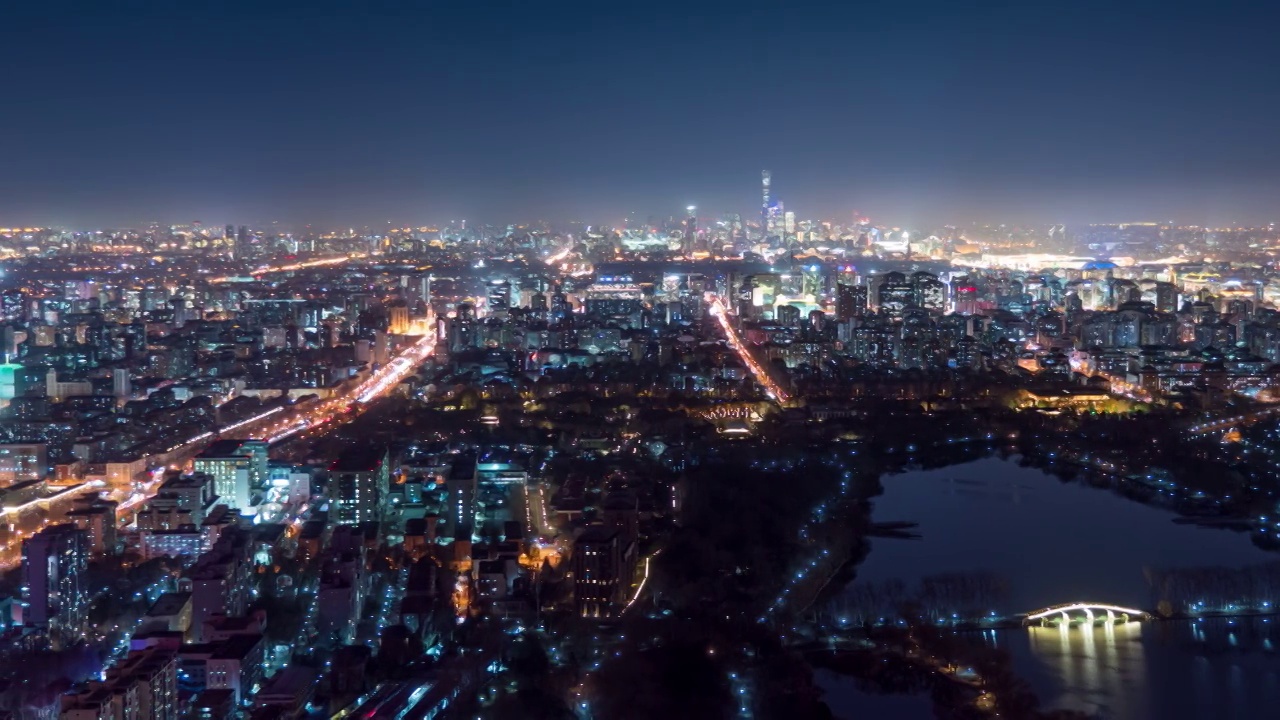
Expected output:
{"points": [[1059, 542]]}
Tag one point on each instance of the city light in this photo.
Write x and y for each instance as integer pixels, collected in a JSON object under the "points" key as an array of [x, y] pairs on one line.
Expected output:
{"points": [[774, 391], [577, 359], [292, 267]]}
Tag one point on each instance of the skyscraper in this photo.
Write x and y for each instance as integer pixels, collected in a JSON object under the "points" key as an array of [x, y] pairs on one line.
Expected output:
{"points": [[55, 565], [358, 485], [242, 243], [895, 295], [499, 300], [851, 301], [765, 179], [691, 230], [930, 293]]}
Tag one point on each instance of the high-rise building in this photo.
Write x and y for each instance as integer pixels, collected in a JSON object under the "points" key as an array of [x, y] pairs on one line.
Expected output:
{"points": [[561, 309], [461, 329], [499, 300], [13, 305], [20, 462], [9, 380], [143, 686], [237, 466], [602, 566], [895, 295], [121, 383], [788, 315], [243, 242], [930, 292], [775, 220], [691, 230], [398, 319], [359, 481], [766, 178], [967, 298], [1166, 297], [538, 303], [812, 280], [220, 581], [97, 517], [55, 565], [181, 500], [851, 301]]}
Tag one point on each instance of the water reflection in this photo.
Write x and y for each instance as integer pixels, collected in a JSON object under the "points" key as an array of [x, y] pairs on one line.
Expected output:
{"points": [[1094, 665], [1058, 542], [1170, 670]]}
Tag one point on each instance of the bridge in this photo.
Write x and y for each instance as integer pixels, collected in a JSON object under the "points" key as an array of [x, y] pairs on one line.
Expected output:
{"points": [[1084, 612], [1215, 426]]}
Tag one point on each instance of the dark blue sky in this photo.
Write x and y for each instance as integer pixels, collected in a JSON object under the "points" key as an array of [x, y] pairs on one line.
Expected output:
{"points": [[362, 112]]}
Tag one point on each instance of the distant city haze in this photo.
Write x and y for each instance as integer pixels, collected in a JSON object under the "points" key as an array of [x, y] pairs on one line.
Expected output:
{"points": [[339, 114]]}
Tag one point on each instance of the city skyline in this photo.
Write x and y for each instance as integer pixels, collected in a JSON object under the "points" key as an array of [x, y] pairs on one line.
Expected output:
{"points": [[317, 114], [574, 361], [344, 475]]}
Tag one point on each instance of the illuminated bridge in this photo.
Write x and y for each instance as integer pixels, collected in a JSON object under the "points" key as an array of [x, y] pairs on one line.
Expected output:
{"points": [[1083, 612]]}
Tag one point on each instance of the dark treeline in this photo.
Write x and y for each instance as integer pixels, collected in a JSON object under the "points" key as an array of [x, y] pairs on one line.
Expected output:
{"points": [[963, 597], [1214, 589]]}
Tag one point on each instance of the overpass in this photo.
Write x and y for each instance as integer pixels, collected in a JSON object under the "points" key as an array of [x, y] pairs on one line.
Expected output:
{"points": [[1084, 612]]}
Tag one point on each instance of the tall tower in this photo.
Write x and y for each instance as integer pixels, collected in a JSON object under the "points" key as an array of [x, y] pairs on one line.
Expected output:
{"points": [[54, 563], [242, 243], [691, 230], [765, 179]]}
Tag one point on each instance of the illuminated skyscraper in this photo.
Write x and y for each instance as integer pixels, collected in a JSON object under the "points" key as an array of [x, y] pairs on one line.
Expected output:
{"points": [[499, 299], [851, 301], [930, 293], [691, 230], [765, 179], [55, 563], [895, 295], [812, 280], [774, 219], [242, 243]]}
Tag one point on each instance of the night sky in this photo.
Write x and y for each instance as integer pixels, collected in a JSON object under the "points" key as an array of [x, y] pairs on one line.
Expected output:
{"points": [[416, 112]]}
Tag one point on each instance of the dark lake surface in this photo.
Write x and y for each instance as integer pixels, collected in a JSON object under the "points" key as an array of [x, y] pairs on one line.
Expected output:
{"points": [[1060, 542]]}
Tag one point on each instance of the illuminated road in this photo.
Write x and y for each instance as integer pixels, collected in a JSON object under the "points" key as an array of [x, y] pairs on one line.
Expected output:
{"points": [[53, 506], [287, 422], [292, 267], [560, 255], [344, 405], [1119, 386], [1211, 427], [774, 390]]}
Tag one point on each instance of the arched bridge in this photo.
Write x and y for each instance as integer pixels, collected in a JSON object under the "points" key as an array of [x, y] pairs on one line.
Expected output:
{"points": [[1084, 612]]}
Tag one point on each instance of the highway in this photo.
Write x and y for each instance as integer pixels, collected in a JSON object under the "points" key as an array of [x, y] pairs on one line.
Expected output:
{"points": [[293, 267], [273, 425], [761, 375]]}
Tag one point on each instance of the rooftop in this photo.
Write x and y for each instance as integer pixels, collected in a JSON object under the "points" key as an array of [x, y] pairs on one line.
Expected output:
{"points": [[224, 449], [597, 534], [360, 459], [170, 603]]}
